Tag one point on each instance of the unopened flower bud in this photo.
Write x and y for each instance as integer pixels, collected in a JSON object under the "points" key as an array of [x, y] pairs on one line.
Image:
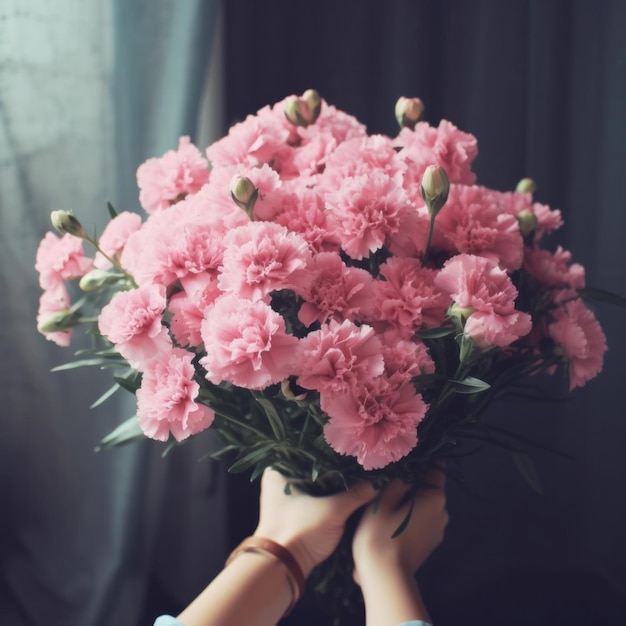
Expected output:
{"points": [[303, 111], [244, 193], [314, 100], [528, 222], [58, 321], [435, 188], [66, 222], [460, 313], [95, 279], [526, 185], [408, 111]]}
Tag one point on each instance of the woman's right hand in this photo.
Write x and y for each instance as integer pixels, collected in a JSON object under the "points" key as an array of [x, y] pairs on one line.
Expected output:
{"points": [[373, 547]]}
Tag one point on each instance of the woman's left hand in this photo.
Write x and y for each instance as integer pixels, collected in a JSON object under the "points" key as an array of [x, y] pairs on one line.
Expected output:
{"points": [[309, 527]]}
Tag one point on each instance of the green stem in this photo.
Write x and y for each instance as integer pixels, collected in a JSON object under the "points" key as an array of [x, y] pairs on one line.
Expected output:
{"points": [[431, 228], [113, 261], [256, 431], [305, 427]]}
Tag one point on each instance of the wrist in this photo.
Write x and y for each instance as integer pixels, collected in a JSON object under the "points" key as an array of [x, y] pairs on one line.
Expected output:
{"points": [[293, 543], [371, 567], [280, 555], [392, 596]]}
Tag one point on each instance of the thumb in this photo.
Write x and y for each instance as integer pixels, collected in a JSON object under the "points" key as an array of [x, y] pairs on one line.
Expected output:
{"points": [[358, 495]]}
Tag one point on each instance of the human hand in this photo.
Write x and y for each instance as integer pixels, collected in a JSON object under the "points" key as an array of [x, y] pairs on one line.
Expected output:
{"points": [[309, 527], [373, 547]]}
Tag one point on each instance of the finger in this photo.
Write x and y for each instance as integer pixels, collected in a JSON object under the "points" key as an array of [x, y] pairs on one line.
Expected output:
{"points": [[393, 495], [359, 494], [271, 477]]}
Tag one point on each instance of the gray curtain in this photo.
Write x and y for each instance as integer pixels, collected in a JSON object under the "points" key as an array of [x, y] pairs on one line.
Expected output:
{"points": [[88, 90]]}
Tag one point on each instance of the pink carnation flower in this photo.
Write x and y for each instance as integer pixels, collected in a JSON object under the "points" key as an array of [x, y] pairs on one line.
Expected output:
{"points": [[446, 145], [59, 259], [173, 244], [477, 220], [115, 236], [213, 205], [475, 283], [168, 179], [264, 178], [270, 197], [304, 212], [310, 147], [555, 271], [376, 421], [53, 302], [246, 344], [548, 219], [405, 358], [367, 211], [341, 125], [411, 238], [187, 308], [259, 139], [363, 155], [335, 291], [581, 340], [310, 152], [408, 298], [261, 257], [166, 399], [337, 356], [132, 321]]}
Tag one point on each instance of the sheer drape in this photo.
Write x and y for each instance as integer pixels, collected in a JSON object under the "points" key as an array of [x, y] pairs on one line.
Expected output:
{"points": [[87, 92]]}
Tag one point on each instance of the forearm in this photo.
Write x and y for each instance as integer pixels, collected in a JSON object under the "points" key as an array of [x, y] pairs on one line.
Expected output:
{"points": [[391, 596], [253, 589]]}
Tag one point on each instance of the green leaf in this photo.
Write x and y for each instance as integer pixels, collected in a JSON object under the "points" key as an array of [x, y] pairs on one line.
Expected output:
{"points": [[131, 383], [259, 453], [81, 363], [315, 471], [469, 385], [112, 211], [528, 471], [406, 520], [278, 428], [218, 454], [126, 432], [601, 295], [169, 447], [259, 469], [106, 353], [435, 333], [105, 396]]}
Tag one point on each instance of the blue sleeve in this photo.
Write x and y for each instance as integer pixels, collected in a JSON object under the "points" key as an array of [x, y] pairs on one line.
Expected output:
{"points": [[167, 620]]}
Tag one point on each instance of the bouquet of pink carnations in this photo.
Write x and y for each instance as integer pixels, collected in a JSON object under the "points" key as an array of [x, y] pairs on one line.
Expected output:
{"points": [[339, 305]]}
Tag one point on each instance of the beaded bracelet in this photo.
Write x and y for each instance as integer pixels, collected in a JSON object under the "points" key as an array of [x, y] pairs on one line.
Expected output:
{"points": [[267, 546]]}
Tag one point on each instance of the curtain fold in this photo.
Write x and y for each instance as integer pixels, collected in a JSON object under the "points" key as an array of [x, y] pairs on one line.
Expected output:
{"points": [[87, 92]]}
